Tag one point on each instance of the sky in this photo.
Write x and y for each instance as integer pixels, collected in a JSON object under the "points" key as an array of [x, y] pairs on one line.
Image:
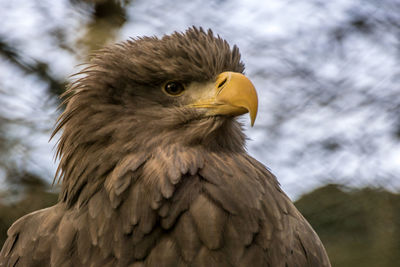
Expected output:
{"points": [[261, 29]]}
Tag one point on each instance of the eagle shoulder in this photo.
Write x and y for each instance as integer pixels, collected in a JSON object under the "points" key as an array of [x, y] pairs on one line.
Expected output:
{"points": [[30, 238]]}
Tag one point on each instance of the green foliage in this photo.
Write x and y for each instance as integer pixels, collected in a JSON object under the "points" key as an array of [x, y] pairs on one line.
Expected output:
{"points": [[358, 227]]}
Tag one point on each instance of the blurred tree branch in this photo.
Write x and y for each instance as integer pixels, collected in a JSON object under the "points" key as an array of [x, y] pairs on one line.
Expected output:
{"points": [[37, 68], [106, 18]]}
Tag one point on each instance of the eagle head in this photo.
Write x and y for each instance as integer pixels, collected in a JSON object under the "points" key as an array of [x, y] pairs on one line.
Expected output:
{"points": [[148, 92]]}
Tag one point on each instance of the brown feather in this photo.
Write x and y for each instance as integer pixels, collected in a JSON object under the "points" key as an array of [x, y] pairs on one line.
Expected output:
{"points": [[187, 238], [209, 220]]}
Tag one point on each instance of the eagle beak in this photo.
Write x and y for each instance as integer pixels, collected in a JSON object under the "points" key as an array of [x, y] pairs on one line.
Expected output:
{"points": [[233, 94]]}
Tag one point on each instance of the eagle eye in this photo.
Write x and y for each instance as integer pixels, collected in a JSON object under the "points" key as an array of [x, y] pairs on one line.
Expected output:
{"points": [[174, 88]]}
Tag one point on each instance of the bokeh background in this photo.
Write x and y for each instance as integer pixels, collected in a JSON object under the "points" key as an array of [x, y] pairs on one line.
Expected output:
{"points": [[328, 77]]}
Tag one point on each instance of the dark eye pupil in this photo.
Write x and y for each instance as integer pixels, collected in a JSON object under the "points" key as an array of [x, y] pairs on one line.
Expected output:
{"points": [[174, 88]]}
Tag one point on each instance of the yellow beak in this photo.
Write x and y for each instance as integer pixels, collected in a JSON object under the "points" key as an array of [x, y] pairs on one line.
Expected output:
{"points": [[233, 94]]}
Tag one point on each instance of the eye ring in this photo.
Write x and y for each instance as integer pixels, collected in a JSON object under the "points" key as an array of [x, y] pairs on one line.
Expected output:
{"points": [[173, 88]]}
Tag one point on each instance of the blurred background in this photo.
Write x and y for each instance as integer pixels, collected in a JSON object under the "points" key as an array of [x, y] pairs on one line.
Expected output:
{"points": [[328, 77]]}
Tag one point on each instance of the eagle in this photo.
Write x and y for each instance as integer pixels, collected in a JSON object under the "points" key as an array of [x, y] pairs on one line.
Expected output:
{"points": [[154, 170]]}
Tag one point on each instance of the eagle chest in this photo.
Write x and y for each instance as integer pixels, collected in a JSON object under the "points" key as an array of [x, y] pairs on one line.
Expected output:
{"points": [[183, 204]]}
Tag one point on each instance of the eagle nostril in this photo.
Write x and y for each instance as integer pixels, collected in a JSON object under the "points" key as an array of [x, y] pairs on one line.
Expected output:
{"points": [[222, 83]]}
